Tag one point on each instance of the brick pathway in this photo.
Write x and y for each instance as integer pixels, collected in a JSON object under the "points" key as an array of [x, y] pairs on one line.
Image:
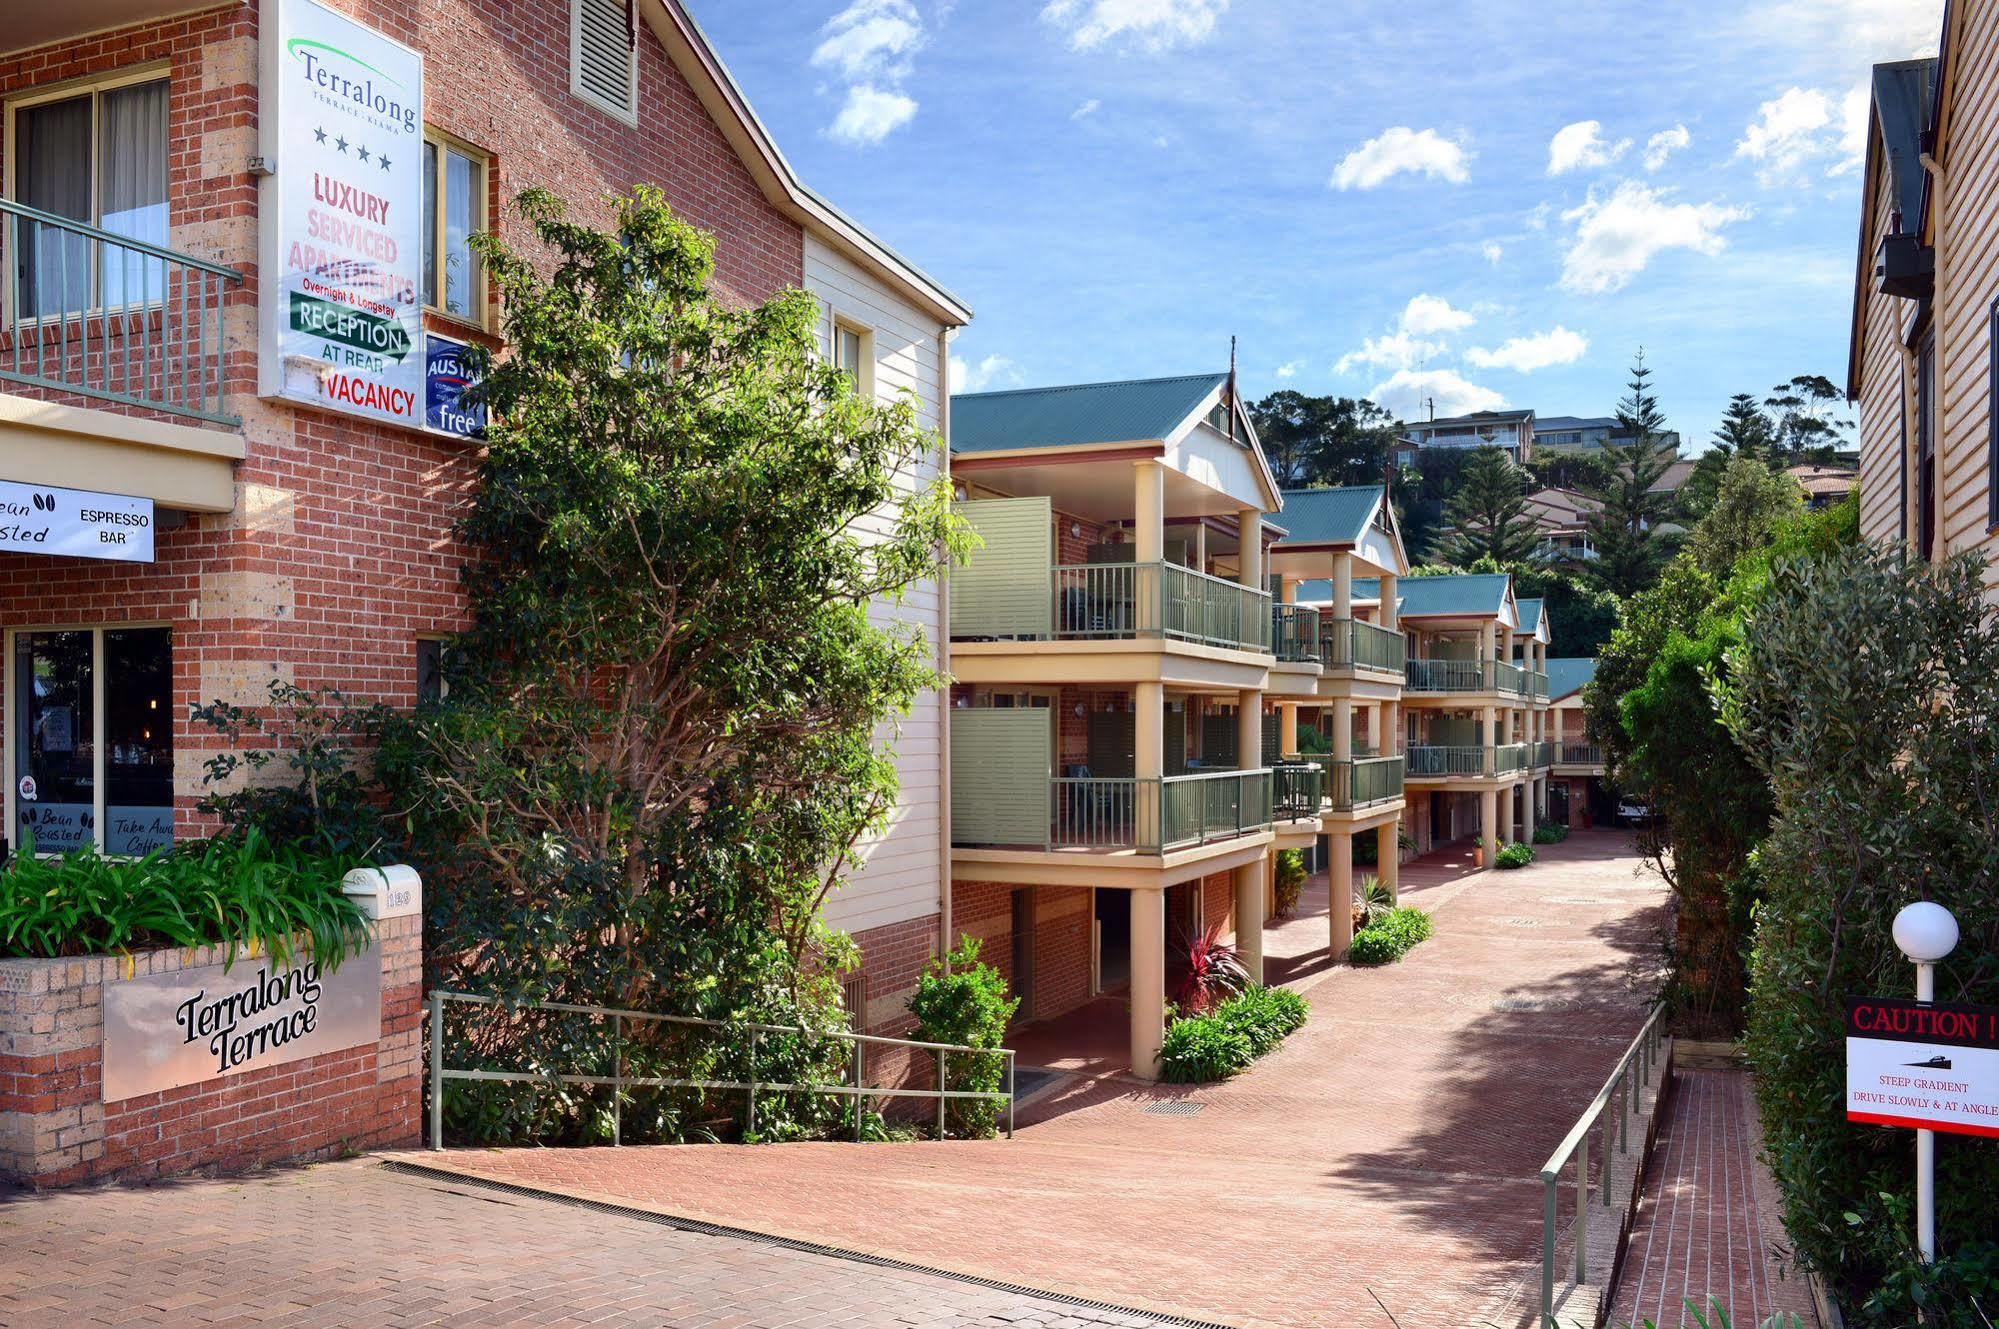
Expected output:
{"points": [[1708, 1226], [353, 1244], [1388, 1149]]}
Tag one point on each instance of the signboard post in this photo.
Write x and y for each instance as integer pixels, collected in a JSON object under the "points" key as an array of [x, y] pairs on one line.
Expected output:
{"points": [[343, 237]]}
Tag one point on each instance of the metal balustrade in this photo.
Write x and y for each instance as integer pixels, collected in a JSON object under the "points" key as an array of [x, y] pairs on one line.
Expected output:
{"points": [[111, 318], [1581, 754], [1365, 781], [1351, 643], [1298, 789], [1131, 600], [1442, 760], [1294, 633], [1544, 754], [1509, 757], [1482, 675], [1150, 816], [1508, 677]]}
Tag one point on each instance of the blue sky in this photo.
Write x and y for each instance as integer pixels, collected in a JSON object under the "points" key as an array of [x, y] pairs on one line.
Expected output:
{"points": [[1485, 203]]}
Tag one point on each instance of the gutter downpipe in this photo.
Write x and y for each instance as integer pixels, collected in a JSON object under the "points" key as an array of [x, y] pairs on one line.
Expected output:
{"points": [[944, 667]]}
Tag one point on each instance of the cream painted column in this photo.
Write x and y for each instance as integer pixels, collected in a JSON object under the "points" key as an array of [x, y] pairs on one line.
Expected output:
{"points": [[1148, 762], [1249, 547], [1488, 827], [1487, 636], [1287, 730], [1342, 585], [1287, 587], [1249, 896], [1489, 736], [1527, 810], [1249, 730], [1393, 728], [1342, 734], [1388, 856], [1148, 507], [1339, 904], [1148, 980], [1390, 616], [1507, 812]]}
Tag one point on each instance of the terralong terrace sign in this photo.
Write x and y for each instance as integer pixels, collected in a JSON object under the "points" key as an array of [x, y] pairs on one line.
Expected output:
{"points": [[343, 117], [168, 1030], [1926, 1065]]}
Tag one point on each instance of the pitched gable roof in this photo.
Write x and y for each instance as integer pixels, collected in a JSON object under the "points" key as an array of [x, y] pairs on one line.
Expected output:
{"points": [[1330, 516], [1530, 614], [1467, 595], [1568, 674], [1078, 415]]}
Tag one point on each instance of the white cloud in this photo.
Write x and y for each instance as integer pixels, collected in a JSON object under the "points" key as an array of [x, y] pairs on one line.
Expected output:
{"points": [[1427, 315], [1290, 368], [1664, 144], [869, 44], [1421, 152], [1582, 146], [1397, 350], [1853, 121], [1088, 108], [1493, 251], [1617, 235], [1411, 394], [1524, 355], [870, 39], [991, 371], [1147, 25], [1789, 131], [1851, 34], [870, 115]]}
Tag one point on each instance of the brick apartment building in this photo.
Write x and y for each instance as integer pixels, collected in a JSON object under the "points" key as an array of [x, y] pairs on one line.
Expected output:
{"points": [[189, 191]]}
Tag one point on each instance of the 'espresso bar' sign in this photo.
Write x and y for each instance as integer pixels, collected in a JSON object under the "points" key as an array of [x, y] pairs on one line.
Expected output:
{"points": [[168, 1030]]}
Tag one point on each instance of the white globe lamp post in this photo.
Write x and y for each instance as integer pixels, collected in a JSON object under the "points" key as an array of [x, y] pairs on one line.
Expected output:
{"points": [[1926, 932]]}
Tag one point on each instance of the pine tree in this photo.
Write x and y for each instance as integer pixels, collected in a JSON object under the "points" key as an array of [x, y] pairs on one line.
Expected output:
{"points": [[1487, 516], [1625, 526], [1746, 431]]}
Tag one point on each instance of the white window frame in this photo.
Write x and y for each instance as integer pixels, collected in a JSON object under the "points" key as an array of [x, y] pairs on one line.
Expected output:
{"points": [[579, 90], [93, 86], [98, 773], [864, 372], [443, 142]]}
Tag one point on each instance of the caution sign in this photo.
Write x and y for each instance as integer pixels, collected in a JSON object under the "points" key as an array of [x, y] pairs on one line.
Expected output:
{"points": [[1926, 1065]]}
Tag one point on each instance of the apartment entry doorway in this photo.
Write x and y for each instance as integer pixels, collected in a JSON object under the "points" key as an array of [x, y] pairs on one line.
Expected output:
{"points": [[1110, 929]]}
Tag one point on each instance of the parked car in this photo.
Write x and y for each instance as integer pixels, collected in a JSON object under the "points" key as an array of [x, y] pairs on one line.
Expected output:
{"points": [[1633, 810]]}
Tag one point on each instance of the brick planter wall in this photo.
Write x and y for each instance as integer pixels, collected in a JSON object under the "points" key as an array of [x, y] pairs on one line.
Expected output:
{"points": [[56, 1130]]}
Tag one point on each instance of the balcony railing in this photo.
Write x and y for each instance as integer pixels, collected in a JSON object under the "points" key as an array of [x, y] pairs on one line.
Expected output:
{"points": [[1465, 676], [1298, 790], [111, 318], [1365, 781], [1352, 643], [1472, 762], [1294, 633], [1544, 755], [1581, 754], [1127, 600], [1510, 757], [1151, 816], [1539, 685]]}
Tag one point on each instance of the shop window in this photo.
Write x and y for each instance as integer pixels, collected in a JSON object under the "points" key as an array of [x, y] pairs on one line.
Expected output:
{"points": [[454, 210], [97, 156], [92, 758]]}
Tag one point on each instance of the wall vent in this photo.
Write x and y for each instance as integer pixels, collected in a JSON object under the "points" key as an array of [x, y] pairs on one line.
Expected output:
{"points": [[603, 56]]}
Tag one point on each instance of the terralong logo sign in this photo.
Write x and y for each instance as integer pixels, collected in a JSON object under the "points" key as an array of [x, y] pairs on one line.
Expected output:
{"points": [[344, 327], [1929, 1065], [168, 1030]]}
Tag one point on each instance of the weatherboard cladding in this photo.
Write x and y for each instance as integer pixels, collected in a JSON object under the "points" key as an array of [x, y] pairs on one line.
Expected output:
{"points": [[1329, 516], [1077, 416]]}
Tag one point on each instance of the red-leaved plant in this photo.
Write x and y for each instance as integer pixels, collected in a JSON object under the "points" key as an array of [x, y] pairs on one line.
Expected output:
{"points": [[1214, 973]]}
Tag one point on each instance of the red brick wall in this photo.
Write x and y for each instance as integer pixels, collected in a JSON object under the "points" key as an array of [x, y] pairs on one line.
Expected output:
{"points": [[892, 959], [1062, 938], [55, 1129], [340, 550]]}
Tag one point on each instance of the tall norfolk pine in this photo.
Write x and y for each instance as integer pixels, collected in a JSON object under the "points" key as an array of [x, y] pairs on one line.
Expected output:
{"points": [[659, 747]]}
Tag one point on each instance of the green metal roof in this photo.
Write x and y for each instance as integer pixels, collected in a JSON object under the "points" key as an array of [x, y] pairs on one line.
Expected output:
{"points": [[1329, 516], [1319, 590], [1472, 595], [1530, 614], [1076, 416], [1568, 675]]}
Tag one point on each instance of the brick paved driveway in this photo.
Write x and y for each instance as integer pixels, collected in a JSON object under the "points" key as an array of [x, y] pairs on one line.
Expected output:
{"points": [[1387, 1150], [353, 1244]]}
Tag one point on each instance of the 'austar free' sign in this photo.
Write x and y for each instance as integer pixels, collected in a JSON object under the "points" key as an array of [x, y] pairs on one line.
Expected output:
{"points": [[1928, 1065]]}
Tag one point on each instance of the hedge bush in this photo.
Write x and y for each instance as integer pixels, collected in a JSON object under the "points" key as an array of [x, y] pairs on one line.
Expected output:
{"points": [[1550, 832], [1516, 855], [1199, 1049], [964, 1000], [238, 888], [1390, 937]]}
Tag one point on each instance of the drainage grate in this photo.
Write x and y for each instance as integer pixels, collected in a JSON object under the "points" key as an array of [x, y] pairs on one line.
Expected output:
{"points": [[1531, 1004], [1519, 922], [1175, 1109], [788, 1243]]}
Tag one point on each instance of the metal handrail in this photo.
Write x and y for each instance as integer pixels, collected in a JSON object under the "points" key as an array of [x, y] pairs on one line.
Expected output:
{"points": [[440, 1073], [149, 317], [1581, 754], [1294, 633], [1133, 600], [1643, 1056]]}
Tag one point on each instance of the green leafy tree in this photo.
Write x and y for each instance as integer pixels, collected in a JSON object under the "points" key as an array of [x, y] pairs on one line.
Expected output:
{"points": [[1487, 516], [1807, 425], [1624, 527], [1555, 469], [1751, 504], [658, 753], [1745, 432], [1581, 615], [1324, 440], [1864, 690]]}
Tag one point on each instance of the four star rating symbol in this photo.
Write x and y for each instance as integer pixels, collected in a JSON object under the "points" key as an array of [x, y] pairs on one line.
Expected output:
{"points": [[340, 145]]}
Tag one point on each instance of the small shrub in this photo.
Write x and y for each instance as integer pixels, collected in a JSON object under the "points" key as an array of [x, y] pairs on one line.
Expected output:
{"points": [[967, 1005], [241, 888], [1391, 937], [1214, 973], [1550, 833], [1290, 880], [1516, 855], [1199, 1049], [1372, 902]]}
